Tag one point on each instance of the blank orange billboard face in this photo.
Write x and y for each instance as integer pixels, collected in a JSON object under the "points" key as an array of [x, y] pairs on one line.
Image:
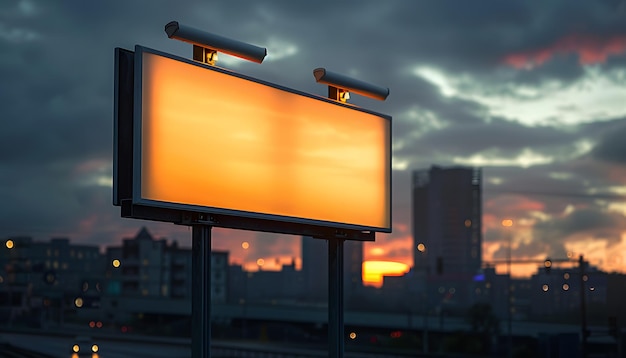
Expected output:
{"points": [[215, 141]]}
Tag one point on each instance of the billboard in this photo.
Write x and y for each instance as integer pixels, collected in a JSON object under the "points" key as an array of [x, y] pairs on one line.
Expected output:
{"points": [[207, 140]]}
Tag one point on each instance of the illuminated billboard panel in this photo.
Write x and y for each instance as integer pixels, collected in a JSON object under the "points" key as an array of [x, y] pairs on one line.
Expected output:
{"points": [[209, 140]]}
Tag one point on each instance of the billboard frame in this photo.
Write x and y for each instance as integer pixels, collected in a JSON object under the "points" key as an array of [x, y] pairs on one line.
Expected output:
{"points": [[127, 171]]}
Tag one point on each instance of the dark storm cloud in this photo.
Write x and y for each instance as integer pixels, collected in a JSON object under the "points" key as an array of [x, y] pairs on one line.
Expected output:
{"points": [[530, 249], [612, 144], [598, 224], [507, 137], [565, 68], [56, 86]]}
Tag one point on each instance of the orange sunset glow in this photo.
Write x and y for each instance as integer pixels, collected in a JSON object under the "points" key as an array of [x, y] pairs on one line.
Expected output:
{"points": [[589, 49], [373, 271], [206, 136]]}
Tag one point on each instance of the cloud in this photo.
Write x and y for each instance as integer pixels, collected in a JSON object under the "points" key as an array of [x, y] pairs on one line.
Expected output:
{"points": [[533, 92], [589, 222], [590, 50], [611, 146]]}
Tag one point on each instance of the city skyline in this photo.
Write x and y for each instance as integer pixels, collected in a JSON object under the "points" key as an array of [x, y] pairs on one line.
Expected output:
{"points": [[530, 93]]}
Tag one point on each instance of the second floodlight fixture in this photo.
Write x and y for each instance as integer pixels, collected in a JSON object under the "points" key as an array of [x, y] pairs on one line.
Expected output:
{"points": [[339, 86], [213, 43]]}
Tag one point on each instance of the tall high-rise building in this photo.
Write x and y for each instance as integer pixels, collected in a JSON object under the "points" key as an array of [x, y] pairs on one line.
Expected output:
{"points": [[447, 212]]}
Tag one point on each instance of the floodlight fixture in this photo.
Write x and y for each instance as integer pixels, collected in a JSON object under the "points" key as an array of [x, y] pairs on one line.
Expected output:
{"points": [[206, 44], [339, 86]]}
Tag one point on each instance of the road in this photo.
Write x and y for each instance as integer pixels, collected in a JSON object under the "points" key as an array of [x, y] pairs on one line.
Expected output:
{"points": [[58, 346], [61, 346]]}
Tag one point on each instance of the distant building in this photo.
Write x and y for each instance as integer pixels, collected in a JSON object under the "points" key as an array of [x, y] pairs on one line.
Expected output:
{"points": [[154, 268], [39, 279], [447, 211], [556, 294], [315, 269], [504, 293], [146, 275]]}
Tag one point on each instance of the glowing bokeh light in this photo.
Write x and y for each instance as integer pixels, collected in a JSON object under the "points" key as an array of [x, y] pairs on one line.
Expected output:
{"points": [[78, 302]]}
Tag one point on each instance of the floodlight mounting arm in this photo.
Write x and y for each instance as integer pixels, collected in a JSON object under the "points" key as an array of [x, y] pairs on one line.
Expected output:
{"points": [[213, 43], [339, 85]]}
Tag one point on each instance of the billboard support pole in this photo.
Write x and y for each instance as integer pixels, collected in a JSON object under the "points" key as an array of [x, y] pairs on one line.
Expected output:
{"points": [[335, 298], [201, 291]]}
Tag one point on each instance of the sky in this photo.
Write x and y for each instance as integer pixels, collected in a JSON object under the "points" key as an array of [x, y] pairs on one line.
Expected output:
{"points": [[533, 93]]}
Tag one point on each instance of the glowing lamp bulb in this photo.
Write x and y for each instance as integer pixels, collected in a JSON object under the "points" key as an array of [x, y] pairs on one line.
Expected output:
{"points": [[211, 57], [344, 96]]}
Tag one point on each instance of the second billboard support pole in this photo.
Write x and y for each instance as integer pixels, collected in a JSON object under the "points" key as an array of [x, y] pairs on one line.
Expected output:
{"points": [[201, 291], [335, 298]]}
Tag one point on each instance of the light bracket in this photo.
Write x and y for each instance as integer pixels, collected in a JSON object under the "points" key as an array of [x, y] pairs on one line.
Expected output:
{"points": [[204, 55]]}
